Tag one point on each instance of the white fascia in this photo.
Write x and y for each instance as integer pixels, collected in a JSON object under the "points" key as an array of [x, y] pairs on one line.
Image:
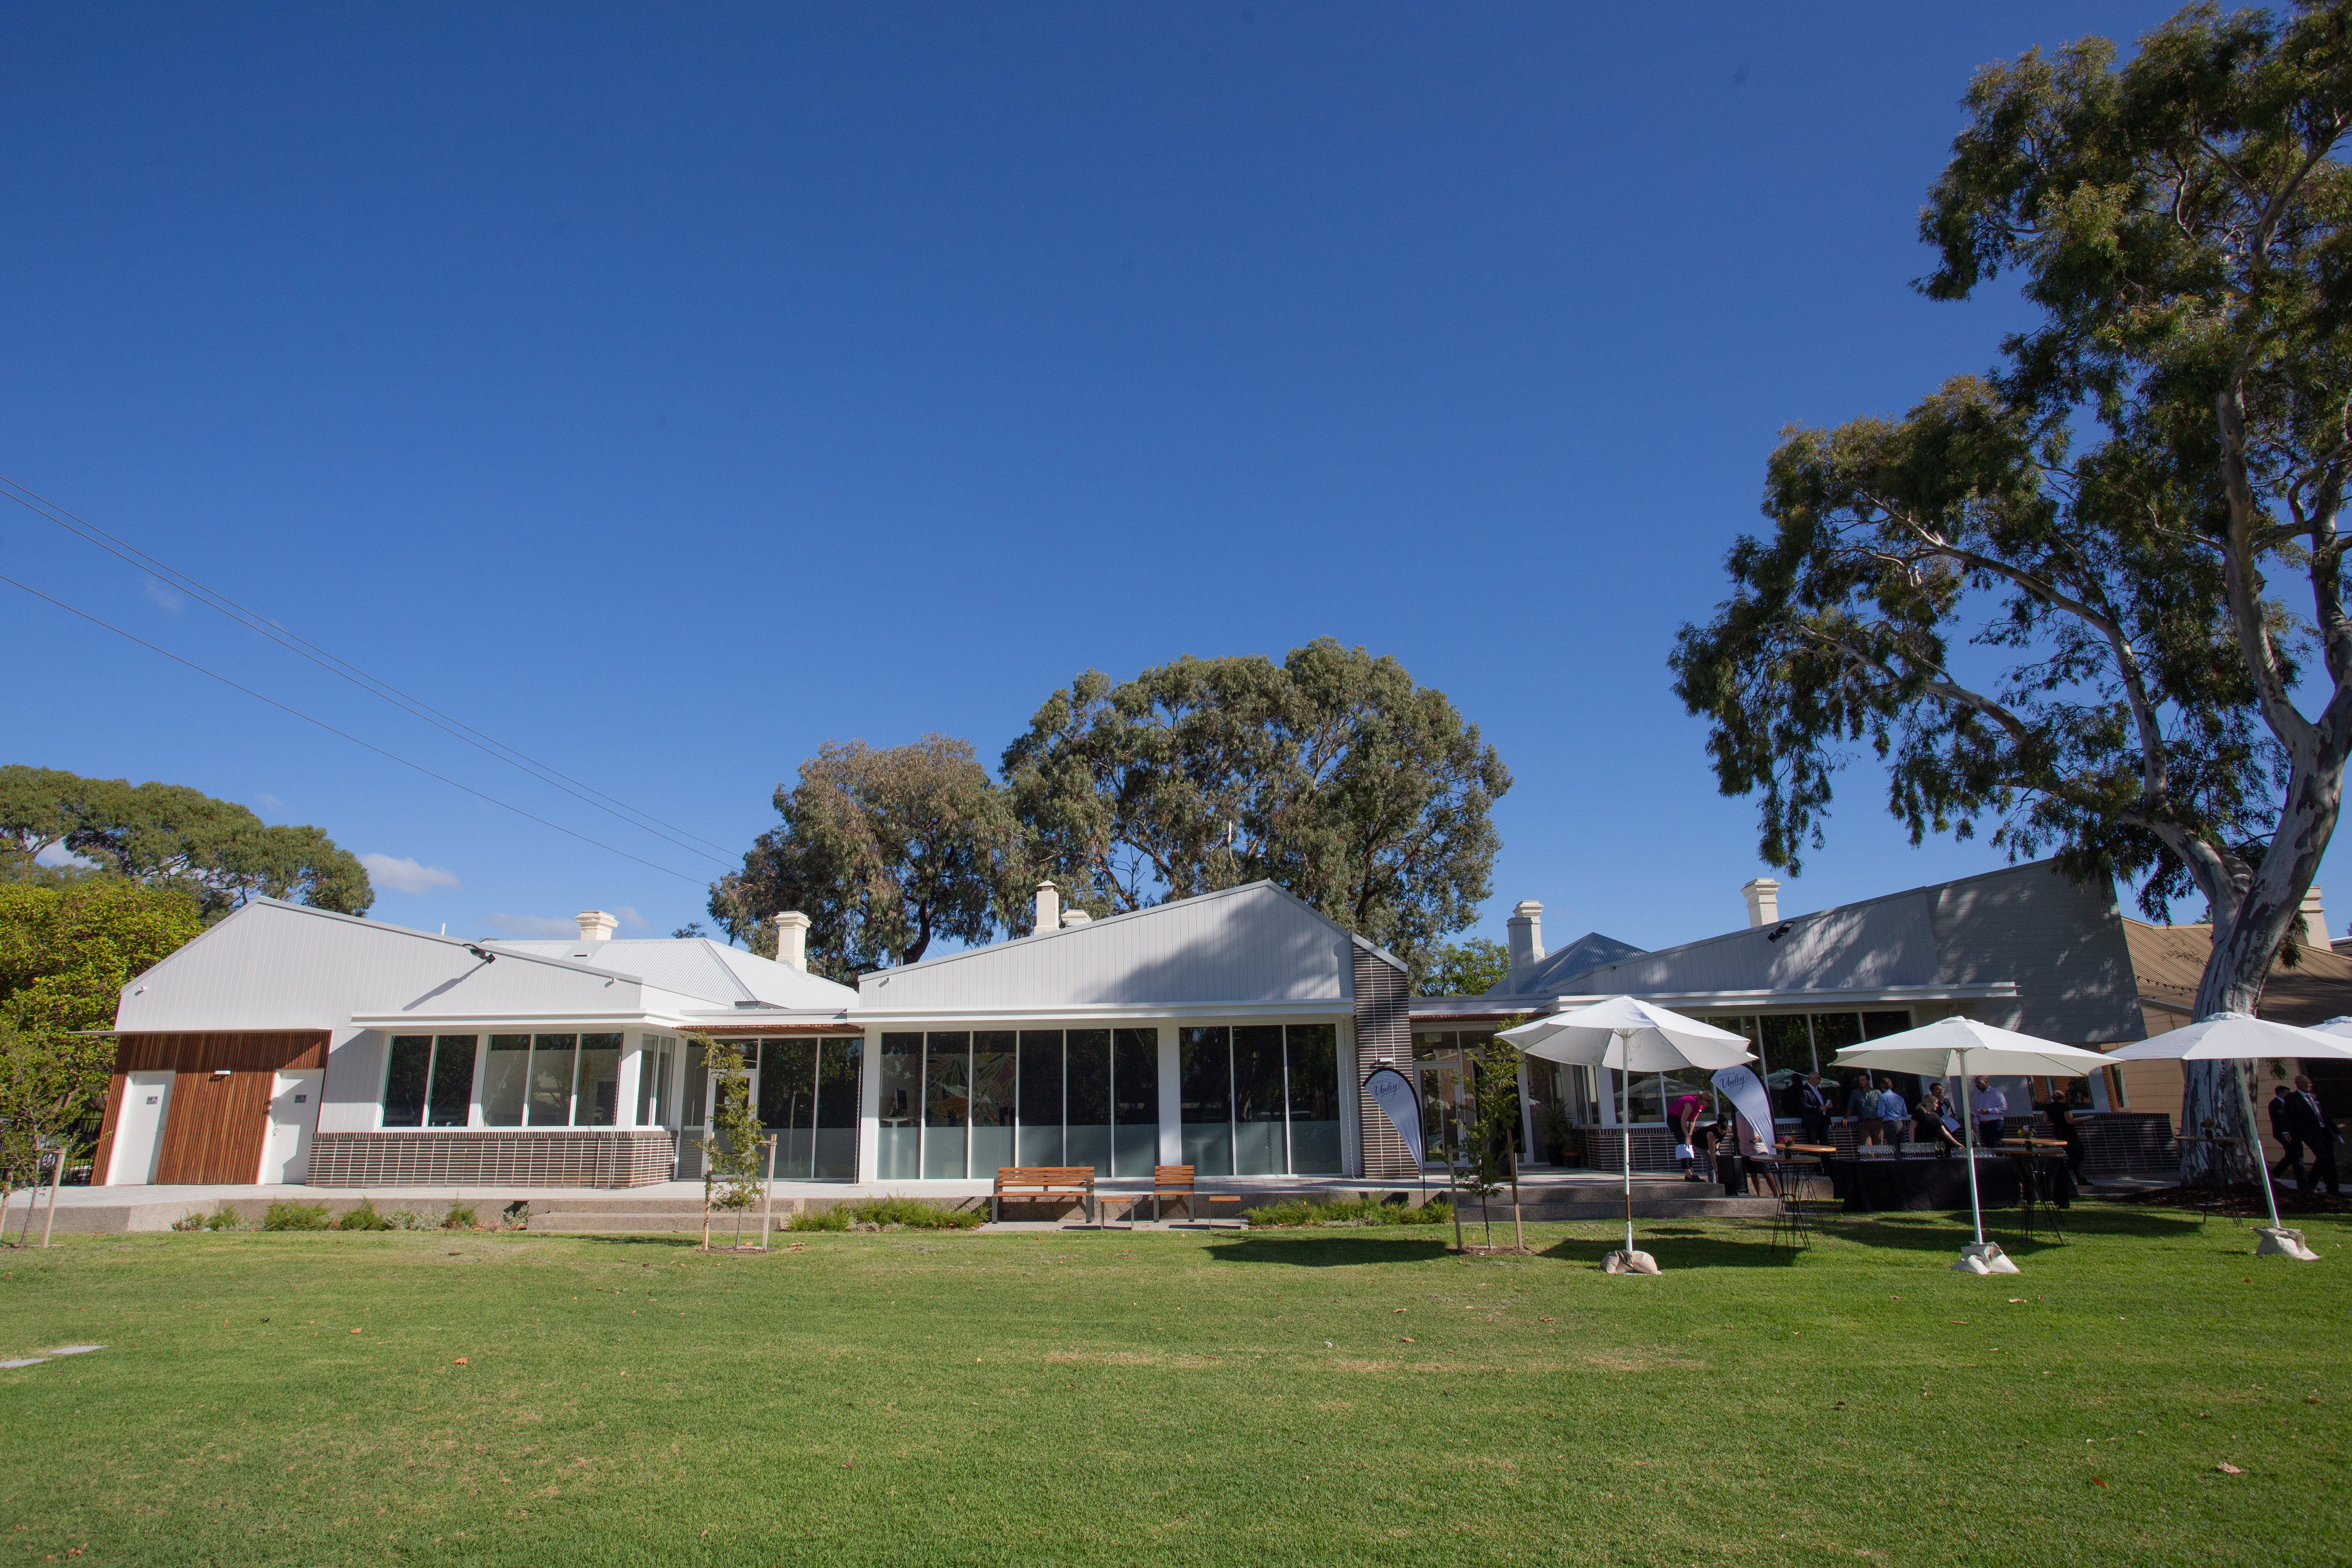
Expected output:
{"points": [[1327, 1007]]}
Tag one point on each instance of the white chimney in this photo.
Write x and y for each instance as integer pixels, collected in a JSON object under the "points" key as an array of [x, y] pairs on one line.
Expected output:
{"points": [[1763, 894], [2314, 921], [595, 925], [1526, 935], [1075, 917], [1049, 907], [791, 940]]}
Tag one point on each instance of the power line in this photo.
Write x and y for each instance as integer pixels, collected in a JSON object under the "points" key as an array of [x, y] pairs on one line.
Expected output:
{"points": [[91, 533], [346, 734]]}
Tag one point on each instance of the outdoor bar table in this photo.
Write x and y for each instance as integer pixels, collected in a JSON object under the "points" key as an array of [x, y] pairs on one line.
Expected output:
{"points": [[1884, 1185]]}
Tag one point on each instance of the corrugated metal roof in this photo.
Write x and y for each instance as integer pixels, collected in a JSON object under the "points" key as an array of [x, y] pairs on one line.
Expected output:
{"points": [[1585, 953], [696, 966], [1249, 946]]}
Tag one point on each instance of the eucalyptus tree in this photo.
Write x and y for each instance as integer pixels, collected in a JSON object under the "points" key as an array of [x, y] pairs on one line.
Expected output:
{"points": [[1330, 773], [2094, 600]]}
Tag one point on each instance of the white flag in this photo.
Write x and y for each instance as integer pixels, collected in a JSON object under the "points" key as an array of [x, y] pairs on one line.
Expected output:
{"points": [[1393, 1093], [1741, 1087]]}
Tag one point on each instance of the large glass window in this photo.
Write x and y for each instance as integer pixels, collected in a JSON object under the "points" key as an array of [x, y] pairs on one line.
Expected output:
{"points": [[595, 1093], [1135, 1082], [996, 1069], [1205, 1065], [657, 1062], [404, 1078], [1312, 1075], [506, 1079], [429, 1081], [1087, 1132], [1259, 1147], [898, 1138], [549, 1102], [837, 1063], [1041, 1096], [788, 1102], [947, 1106]]}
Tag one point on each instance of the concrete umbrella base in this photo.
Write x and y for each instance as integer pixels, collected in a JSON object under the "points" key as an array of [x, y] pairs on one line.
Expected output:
{"points": [[1621, 1262], [2278, 1241], [1984, 1257]]}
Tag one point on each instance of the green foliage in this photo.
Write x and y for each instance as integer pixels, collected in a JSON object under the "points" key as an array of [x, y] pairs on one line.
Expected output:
{"points": [[460, 1217], [1471, 967], [284, 1215], [735, 1155], [885, 851], [224, 1217], [1329, 773], [915, 1213], [191, 1222], [835, 1218], [44, 1093], [220, 853], [68, 948], [362, 1215], [1311, 1214]]}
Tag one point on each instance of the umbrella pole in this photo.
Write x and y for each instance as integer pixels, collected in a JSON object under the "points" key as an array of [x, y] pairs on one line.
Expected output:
{"points": [[1625, 1132], [1969, 1126], [2254, 1143]]}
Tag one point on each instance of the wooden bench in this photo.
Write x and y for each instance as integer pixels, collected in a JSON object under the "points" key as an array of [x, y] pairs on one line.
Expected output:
{"points": [[1043, 1182], [1176, 1181]]}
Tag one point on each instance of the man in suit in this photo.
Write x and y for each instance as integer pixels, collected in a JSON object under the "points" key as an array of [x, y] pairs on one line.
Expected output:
{"points": [[2316, 1133], [1813, 1108], [2290, 1147]]}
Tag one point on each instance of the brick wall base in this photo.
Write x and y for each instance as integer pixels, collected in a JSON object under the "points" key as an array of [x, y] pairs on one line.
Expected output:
{"points": [[555, 1157]]}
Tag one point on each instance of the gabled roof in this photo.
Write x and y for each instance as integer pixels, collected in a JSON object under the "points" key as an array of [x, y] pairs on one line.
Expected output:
{"points": [[2167, 962], [1585, 953], [696, 966], [1251, 946]]}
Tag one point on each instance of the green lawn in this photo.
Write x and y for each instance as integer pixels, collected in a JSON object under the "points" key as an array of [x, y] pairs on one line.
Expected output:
{"points": [[1285, 1396]]}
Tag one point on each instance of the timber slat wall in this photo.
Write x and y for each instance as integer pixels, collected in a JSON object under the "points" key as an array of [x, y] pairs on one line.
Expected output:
{"points": [[215, 1127], [1383, 1038]]}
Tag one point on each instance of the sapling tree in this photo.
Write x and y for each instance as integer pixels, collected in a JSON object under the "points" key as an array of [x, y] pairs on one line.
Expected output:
{"points": [[735, 1151]]}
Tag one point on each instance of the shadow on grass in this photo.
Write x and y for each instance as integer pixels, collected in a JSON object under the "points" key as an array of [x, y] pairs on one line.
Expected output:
{"points": [[1327, 1251], [1682, 1249]]}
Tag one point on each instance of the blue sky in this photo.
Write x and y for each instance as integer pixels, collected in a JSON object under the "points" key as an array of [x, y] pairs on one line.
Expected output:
{"points": [[666, 391]]}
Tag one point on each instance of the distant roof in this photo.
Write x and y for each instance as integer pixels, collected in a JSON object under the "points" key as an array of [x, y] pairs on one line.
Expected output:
{"points": [[695, 967], [2169, 961], [1588, 952]]}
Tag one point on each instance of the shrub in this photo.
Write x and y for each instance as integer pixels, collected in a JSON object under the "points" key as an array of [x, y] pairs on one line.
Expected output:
{"points": [[409, 1219], [189, 1222], [915, 1213], [224, 1218], [460, 1217], [830, 1219], [295, 1217], [362, 1215], [1366, 1211]]}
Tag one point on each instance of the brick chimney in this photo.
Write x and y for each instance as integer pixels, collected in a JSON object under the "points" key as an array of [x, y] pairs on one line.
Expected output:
{"points": [[791, 940], [1763, 895], [595, 925]]}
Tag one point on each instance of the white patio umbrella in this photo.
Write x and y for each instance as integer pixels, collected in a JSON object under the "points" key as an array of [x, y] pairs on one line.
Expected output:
{"points": [[2237, 1038], [1631, 1036], [1961, 1048]]}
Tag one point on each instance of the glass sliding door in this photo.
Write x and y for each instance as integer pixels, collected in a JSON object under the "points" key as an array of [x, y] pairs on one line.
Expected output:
{"points": [[837, 1062], [1313, 1082], [898, 1133], [1086, 1100], [506, 1079], [1258, 1142], [996, 1069], [947, 1106], [1205, 1078], [1041, 1096], [1135, 1084], [788, 1103]]}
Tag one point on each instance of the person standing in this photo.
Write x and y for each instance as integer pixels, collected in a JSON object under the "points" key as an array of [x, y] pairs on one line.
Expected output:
{"points": [[2283, 1130], [1683, 1116], [1813, 1107], [2315, 1132], [1862, 1113], [1721, 1139], [1938, 1125], [1892, 1112], [1992, 1112], [2062, 1126]]}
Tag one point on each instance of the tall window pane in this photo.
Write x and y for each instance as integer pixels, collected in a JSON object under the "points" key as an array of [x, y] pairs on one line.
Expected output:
{"points": [[1257, 1101], [1879, 1025], [1833, 1032], [404, 1080], [898, 1135], [1314, 1084], [946, 1105], [995, 1066], [1041, 1096], [1206, 1106], [1646, 1092], [453, 1081], [788, 1104], [595, 1095], [1787, 1053], [506, 1078], [549, 1103], [837, 1063], [1088, 1134], [1135, 1084], [657, 1059]]}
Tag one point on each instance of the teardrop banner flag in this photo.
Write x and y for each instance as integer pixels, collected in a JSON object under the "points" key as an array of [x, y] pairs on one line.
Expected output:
{"points": [[1393, 1093], [1746, 1092]]}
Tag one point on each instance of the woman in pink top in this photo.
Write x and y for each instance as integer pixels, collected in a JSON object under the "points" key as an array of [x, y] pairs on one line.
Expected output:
{"points": [[1683, 1117]]}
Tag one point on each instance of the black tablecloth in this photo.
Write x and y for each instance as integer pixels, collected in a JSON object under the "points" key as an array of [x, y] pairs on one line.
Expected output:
{"points": [[1873, 1186]]}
